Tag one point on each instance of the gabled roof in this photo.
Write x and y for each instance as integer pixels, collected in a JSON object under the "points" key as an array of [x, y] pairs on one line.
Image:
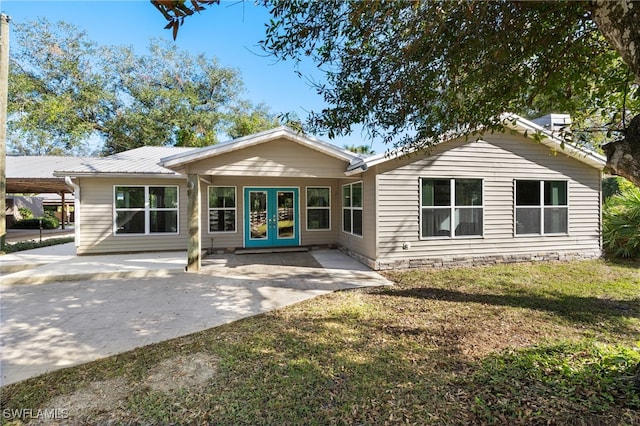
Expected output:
{"points": [[283, 132], [514, 122], [140, 161]]}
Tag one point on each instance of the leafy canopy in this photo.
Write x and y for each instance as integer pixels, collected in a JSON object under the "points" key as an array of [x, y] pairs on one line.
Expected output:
{"points": [[411, 70], [65, 89]]}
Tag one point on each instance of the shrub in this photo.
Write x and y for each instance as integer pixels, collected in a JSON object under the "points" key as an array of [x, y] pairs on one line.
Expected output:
{"points": [[25, 213], [621, 224], [614, 185], [34, 223], [29, 245]]}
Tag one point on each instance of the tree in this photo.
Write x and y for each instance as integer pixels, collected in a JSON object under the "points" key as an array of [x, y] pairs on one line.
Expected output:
{"points": [[422, 68], [66, 89], [621, 223], [251, 119], [360, 149], [58, 94]]}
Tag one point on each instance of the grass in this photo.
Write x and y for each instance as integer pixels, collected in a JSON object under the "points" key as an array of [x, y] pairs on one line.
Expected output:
{"points": [[29, 245], [514, 344]]}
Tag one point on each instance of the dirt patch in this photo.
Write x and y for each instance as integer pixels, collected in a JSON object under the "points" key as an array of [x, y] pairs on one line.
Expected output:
{"points": [[97, 397], [191, 371]]}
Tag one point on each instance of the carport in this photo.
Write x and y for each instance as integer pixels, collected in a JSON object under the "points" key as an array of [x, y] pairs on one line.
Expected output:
{"points": [[34, 174]]}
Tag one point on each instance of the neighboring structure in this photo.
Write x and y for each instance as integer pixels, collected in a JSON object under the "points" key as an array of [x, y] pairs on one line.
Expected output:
{"points": [[34, 175], [505, 197], [15, 203]]}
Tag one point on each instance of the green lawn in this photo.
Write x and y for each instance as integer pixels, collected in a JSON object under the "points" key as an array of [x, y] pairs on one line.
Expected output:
{"points": [[516, 344]]}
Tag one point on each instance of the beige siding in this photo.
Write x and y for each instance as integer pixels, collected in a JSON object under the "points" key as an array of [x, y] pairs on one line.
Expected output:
{"points": [[97, 217], [280, 158], [236, 239], [365, 245], [498, 160]]}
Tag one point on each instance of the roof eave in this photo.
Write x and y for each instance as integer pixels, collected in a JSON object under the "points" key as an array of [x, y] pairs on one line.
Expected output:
{"points": [[63, 173], [582, 154], [176, 161]]}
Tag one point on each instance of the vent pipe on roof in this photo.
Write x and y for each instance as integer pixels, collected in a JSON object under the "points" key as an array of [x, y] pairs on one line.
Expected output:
{"points": [[554, 122]]}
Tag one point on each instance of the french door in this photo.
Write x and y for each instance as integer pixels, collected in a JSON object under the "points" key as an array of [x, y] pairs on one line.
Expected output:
{"points": [[271, 217]]}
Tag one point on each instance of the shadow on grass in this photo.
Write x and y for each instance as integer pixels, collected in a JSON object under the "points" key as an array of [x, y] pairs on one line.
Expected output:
{"points": [[609, 314]]}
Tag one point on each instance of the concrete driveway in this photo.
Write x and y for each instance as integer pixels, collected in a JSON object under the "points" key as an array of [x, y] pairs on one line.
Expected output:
{"points": [[53, 325]]}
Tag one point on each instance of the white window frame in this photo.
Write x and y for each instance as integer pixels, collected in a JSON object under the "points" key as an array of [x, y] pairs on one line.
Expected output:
{"points": [[352, 208], [451, 207], [328, 208], [209, 209], [541, 208], [147, 209]]}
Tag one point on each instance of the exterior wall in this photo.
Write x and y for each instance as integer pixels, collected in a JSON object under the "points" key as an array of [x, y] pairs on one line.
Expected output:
{"points": [[280, 158], [226, 240], [97, 215], [16, 202], [361, 247], [498, 159], [97, 218]]}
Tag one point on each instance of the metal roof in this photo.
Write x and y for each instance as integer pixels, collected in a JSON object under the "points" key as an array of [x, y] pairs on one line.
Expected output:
{"points": [[31, 174], [143, 160]]}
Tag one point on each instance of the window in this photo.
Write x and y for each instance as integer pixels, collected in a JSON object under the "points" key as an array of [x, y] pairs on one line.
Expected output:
{"points": [[541, 207], [318, 208], [451, 207], [222, 209], [352, 208], [146, 209]]}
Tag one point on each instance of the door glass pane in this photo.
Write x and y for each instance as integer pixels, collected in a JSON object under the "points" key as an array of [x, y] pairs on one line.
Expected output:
{"points": [[286, 217], [258, 215]]}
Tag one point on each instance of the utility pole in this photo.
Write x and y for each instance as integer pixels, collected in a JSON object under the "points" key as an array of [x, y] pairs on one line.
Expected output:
{"points": [[4, 88]]}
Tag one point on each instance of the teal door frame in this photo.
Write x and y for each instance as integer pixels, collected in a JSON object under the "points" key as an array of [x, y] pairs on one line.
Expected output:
{"points": [[271, 217]]}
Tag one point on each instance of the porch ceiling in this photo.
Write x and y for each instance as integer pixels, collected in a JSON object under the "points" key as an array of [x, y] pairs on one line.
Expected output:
{"points": [[36, 185]]}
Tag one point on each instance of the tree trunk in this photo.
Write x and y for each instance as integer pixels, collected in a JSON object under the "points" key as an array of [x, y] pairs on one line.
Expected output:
{"points": [[619, 23], [623, 156]]}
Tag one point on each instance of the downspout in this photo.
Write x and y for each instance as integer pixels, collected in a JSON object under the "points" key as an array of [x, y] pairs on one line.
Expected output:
{"points": [[76, 209]]}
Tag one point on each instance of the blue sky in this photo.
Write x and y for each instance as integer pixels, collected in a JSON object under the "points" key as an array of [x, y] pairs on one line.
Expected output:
{"points": [[229, 32]]}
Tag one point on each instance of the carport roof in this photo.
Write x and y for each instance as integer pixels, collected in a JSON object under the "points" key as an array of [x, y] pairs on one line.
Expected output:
{"points": [[34, 174]]}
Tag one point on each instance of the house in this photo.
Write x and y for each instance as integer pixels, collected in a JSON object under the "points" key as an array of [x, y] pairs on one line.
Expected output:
{"points": [[505, 197]]}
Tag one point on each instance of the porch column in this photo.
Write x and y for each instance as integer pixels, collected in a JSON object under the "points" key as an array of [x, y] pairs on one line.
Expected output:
{"points": [[63, 213], [193, 222]]}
